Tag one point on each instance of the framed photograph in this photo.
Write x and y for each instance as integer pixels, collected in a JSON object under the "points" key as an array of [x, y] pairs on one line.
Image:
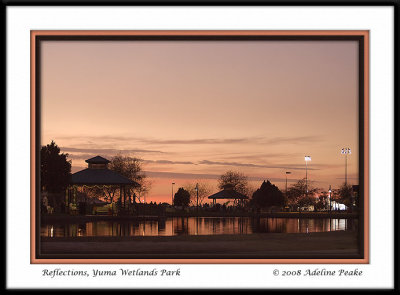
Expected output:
{"points": [[164, 150], [194, 84]]}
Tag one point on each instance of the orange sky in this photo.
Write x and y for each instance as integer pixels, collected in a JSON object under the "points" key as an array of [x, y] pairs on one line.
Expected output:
{"points": [[193, 110]]}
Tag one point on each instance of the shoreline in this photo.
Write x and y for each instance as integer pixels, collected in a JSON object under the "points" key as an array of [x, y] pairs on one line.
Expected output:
{"points": [[313, 245], [88, 218]]}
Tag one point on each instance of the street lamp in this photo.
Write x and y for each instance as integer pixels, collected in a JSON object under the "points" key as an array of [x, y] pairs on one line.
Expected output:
{"points": [[197, 192], [307, 159], [287, 172], [172, 200], [345, 151], [330, 200]]}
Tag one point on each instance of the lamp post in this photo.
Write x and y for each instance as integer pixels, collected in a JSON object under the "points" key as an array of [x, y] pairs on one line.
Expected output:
{"points": [[172, 200], [307, 159], [287, 172], [197, 192], [330, 201], [345, 152]]}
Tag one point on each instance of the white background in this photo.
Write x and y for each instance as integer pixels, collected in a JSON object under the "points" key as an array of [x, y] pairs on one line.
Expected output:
{"points": [[379, 20]]}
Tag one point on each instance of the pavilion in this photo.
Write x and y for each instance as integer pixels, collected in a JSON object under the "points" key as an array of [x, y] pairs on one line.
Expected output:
{"points": [[97, 174], [229, 193]]}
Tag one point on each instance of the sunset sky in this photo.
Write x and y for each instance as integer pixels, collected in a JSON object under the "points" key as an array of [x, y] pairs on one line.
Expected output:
{"points": [[193, 110]]}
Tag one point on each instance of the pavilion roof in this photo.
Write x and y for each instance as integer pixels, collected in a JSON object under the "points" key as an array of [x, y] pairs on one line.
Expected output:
{"points": [[97, 160], [228, 194], [100, 177]]}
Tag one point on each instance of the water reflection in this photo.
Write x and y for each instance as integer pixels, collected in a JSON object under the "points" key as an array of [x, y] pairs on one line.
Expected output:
{"points": [[198, 226]]}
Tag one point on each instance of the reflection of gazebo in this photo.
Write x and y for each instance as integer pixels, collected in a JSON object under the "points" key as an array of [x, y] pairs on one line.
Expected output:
{"points": [[98, 174], [229, 193]]}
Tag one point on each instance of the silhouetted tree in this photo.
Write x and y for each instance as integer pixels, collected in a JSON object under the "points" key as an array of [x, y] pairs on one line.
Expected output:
{"points": [[322, 201], [235, 180], [297, 196], [268, 195], [204, 191], [55, 169], [55, 175], [132, 168], [344, 195], [182, 197]]}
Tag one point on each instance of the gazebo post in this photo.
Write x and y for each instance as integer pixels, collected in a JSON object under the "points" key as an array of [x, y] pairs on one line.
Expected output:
{"points": [[120, 194], [75, 195], [67, 198], [124, 195]]}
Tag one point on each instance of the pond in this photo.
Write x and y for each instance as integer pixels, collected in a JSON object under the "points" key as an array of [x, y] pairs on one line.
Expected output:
{"points": [[197, 226]]}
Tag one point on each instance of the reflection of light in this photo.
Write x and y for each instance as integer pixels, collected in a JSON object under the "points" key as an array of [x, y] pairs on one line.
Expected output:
{"points": [[51, 231]]}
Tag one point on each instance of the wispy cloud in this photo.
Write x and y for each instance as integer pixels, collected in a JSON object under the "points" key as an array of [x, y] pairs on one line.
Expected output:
{"points": [[106, 150], [201, 141], [256, 156], [260, 140], [82, 156], [174, 176], [169, 162], [238, 164], [293, 139]]}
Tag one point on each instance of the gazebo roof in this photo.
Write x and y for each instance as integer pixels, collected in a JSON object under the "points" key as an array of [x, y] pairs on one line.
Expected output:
{"points": [[100, 177], [97, 160], [228, 194]]}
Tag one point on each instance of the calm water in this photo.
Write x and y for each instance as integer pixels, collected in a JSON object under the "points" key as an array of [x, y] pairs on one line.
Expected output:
{"points": [[197, 226]]}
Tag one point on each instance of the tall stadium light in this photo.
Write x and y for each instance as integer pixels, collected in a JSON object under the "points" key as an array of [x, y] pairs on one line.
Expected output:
{"points": [[172, 200], [307, 159], [345, 152]]}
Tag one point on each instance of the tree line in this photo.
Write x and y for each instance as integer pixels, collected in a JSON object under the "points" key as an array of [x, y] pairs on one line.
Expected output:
{"points": [[55, 176], [298, 195]]}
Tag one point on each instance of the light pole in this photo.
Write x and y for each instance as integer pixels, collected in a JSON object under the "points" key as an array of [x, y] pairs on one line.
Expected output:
{"points": [[307, 159], [287, 172], [345, 152], [197, 192], [172, 200], [330, 202]]}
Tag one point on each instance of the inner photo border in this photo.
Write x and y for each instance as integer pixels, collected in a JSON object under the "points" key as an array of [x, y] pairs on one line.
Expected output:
{"points": [[220, 35]]}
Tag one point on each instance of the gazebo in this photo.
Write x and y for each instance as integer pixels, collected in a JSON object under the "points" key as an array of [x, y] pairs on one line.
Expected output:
{"points": [[228, 193], [97, 174]]}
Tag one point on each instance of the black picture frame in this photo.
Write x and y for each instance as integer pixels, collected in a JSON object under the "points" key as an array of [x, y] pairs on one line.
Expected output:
{"points": [[390, 3]]}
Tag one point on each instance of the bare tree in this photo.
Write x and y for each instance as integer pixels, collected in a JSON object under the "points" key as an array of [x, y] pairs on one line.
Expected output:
{"points": [[132, 168], [143, 189], [106, 192], [235, 180], [204, 189], [344, 194], [297, 194]]}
